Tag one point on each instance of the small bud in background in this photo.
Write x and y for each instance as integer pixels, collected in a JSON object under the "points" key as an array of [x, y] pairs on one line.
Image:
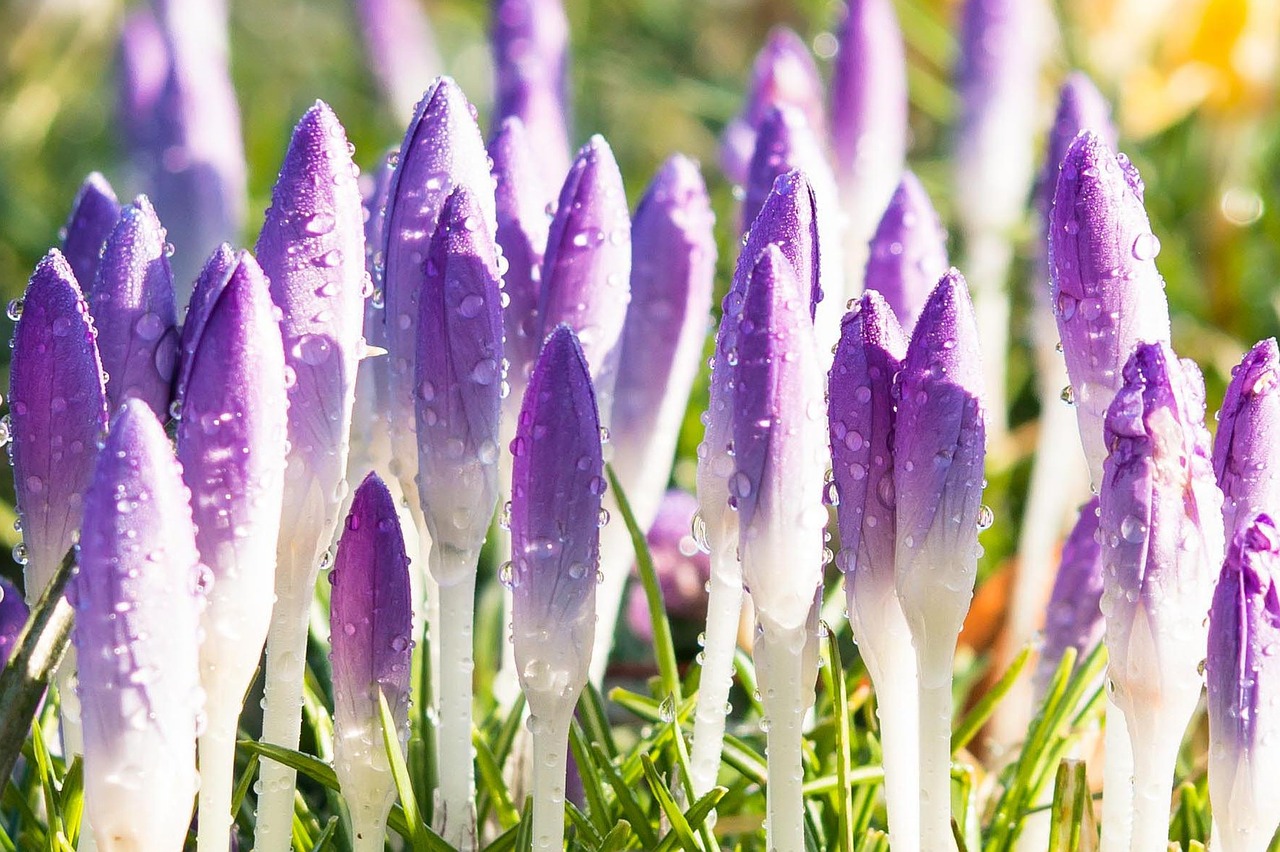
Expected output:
{"points": [[682, 567], [1248, 431], [1073, 616], [93, 217], [908, 253], [400, 47], [13, 617], [210, 283]]}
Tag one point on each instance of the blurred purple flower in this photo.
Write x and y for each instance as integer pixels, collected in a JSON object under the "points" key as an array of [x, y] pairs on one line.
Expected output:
{"points": [[400, 48], [210, 283], [13, 617], [908, 253], [683, 569], [1248, 432], [138, 594], [1073, 616], [93, 217]]}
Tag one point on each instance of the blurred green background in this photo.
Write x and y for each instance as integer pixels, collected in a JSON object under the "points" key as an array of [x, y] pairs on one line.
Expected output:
{"points": [[1195, 86]]}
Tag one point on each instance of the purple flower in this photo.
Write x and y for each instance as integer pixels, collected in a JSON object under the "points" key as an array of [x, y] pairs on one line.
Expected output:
{"points": [[784, 74], [1162, 542], [1241, 671], [401, 50], [210, 283], [780, 447], [138, 596], [868, 116], [183, 125], [908, 253], [370, 623], [1248, 430], [682, 567], [1073, 617], [442, 149], [57, 412], [1080, 107], [587, 268], [531, 69], [13, 617], [134, 311], [1107, 295], [93, 217]]}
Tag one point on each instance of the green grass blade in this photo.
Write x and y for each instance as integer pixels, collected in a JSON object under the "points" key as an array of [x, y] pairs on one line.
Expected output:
{"points": [[597, 808], [618, 838], [679, 825], [982, 710], [313, 768], [625, 797], [833, 673], [490, 784], [422, 838]]}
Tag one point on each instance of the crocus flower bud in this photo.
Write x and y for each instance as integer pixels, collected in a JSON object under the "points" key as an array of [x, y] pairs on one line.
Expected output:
{"points": [[93, 217], [1080, 107], [57, 412], [1248, 430], [370, 618], [1073, 617], [938, 454], [1107, 295], [137, 595], [400, 48], [683, 568], [13, 617], [586, 273], [908, 252], [442, 149], [210, 283], [531, 69], [1162, 543], [134, 311], [1241, 671], [784, 74], [312, 251], [868, 119], [231, 443], [555, 520]]}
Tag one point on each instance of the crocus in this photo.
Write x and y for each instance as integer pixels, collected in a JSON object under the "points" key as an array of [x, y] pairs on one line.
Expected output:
{"points": [[672, 273], [784, 73], [1073, 616], [93, 217], [182, 124], [312, 251], [137, 595], [1162, 545], [555, 517], [401, 50], [58, 413], [231, 443], [938, 451], [1248, 430], [13, 616], [459, 385], [908, 252], [868, 121], [210, 283], [683, 568], [134, 312], [531, 69], [1241, 672], [1107, 295], [780, 452], [370, 621], [861, 417]]}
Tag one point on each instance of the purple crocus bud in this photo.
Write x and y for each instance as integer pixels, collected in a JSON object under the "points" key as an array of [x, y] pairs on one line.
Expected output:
{"points": [[1162, 544], [522, 235], [673, 246], [370, 620], [185, 133], [401, 50], [312, 251], [1080, 107], [13, 617], [1107, 295], [231, 443], [137, 595], [784, 74], [1241, 671], [531, 64], [93, 217], [788, 219], [868, 119], [908, 253], [442, 149], [134, 312], [682, 567], [210, 283], [1073, 617], [586, 273], [57, 411], [1248, 431]]}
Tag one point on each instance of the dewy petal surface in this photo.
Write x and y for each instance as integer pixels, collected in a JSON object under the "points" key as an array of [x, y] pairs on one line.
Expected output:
{"points": [[93, 217], [908, 253], [57, 411], [1248, 432], [137, 595], [1106, 293], [134, 311]]}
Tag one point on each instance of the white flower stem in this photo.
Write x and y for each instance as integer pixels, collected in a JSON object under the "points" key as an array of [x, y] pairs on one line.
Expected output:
{"points": [[935, 664], [456, 814], [1155, 757], [724, 608], [550, 763], [217, 749], [1117, 783], [786, 694]]}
